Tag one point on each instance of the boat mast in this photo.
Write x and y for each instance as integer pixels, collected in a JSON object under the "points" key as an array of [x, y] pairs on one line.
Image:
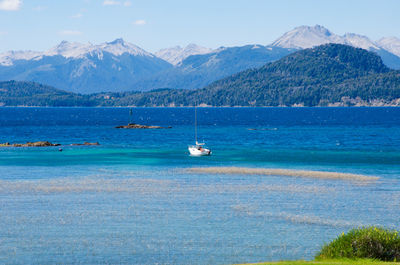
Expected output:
{"points": [[195, 122]]}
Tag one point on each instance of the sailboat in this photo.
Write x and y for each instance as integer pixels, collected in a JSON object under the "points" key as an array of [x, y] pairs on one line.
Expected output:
{"points": [[198, 149]]}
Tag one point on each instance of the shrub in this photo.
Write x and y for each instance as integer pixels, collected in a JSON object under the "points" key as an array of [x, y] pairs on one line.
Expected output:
{"points": [[368, 242]]}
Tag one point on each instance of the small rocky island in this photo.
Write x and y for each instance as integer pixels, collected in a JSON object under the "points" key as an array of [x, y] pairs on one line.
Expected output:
{"points": [[140, 126], [40, 144], [30, 144]]}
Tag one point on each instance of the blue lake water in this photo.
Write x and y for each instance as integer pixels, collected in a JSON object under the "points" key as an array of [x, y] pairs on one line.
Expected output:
{"points": [[133, 200]]}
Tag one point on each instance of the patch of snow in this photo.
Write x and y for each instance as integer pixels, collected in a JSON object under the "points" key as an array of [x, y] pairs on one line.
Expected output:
{"points": [[170, 54], [213, 60], [307, 37], [76, 50], [8, 58], [391, 44], [220, 49], [360, 41], [86, 65], [79, 50], [69, 49], [177, 54], [119, 47]]}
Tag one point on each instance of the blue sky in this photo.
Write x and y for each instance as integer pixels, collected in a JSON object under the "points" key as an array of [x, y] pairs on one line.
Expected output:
{"points": [[156, 24]]}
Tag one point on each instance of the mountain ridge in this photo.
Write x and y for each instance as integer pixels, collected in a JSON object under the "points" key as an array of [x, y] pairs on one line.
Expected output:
{"points": [[86, 68], [313, 77], [391, 44], [121, 66], [327, 75], [177, 54], [304, 37], [197, 71], [77, 50]]}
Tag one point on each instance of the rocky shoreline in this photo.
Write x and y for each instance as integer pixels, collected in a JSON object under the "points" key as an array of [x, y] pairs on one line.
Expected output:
{"points": [[41, 144], [140, 126]]}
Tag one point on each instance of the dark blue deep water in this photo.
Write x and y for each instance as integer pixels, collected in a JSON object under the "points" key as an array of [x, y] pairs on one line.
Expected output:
{"points": [[135, 200]]}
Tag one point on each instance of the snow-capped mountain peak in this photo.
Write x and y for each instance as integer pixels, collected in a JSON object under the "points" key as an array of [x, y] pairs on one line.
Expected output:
{"points": [[69, 49], [306, 37], [119, 41], [177, 54], [119, 47], [8, 58], [391, 44], [76, 50], [360, 41], [79, 50], [318, 29]]}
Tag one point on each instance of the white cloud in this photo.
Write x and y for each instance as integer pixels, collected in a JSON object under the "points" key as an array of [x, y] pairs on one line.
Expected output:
{"points": [[78, 15], [116, 3], [70, 32], [111, 3], [139, 22], [10, 5]]}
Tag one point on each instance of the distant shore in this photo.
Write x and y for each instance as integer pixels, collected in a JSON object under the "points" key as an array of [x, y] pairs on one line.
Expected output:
{"points": [[208, 106]]}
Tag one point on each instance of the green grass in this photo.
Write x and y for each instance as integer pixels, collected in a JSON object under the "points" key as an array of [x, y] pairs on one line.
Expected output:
{"points": [[368, 245], [364, 243]]}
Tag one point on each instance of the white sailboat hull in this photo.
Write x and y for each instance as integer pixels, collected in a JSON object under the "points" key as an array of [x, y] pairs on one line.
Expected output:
{"points": [[199, 151]]}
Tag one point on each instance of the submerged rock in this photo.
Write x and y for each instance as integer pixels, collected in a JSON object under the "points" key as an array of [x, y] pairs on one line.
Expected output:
{"points": [[86, 143], [262, 129], [140, 126], [30, 144]]}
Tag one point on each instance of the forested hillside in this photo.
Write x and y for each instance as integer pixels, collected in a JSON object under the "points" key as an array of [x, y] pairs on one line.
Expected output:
{"points": [[331, 74]]}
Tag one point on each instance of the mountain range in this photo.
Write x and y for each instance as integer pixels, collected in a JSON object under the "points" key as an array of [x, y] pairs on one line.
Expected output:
{"points": [[307, 37], [120, 66], [326, 75], [83, 68]]}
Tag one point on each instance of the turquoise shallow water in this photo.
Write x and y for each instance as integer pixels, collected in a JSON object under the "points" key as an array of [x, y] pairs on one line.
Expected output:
{"points": [[132, 199]]}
